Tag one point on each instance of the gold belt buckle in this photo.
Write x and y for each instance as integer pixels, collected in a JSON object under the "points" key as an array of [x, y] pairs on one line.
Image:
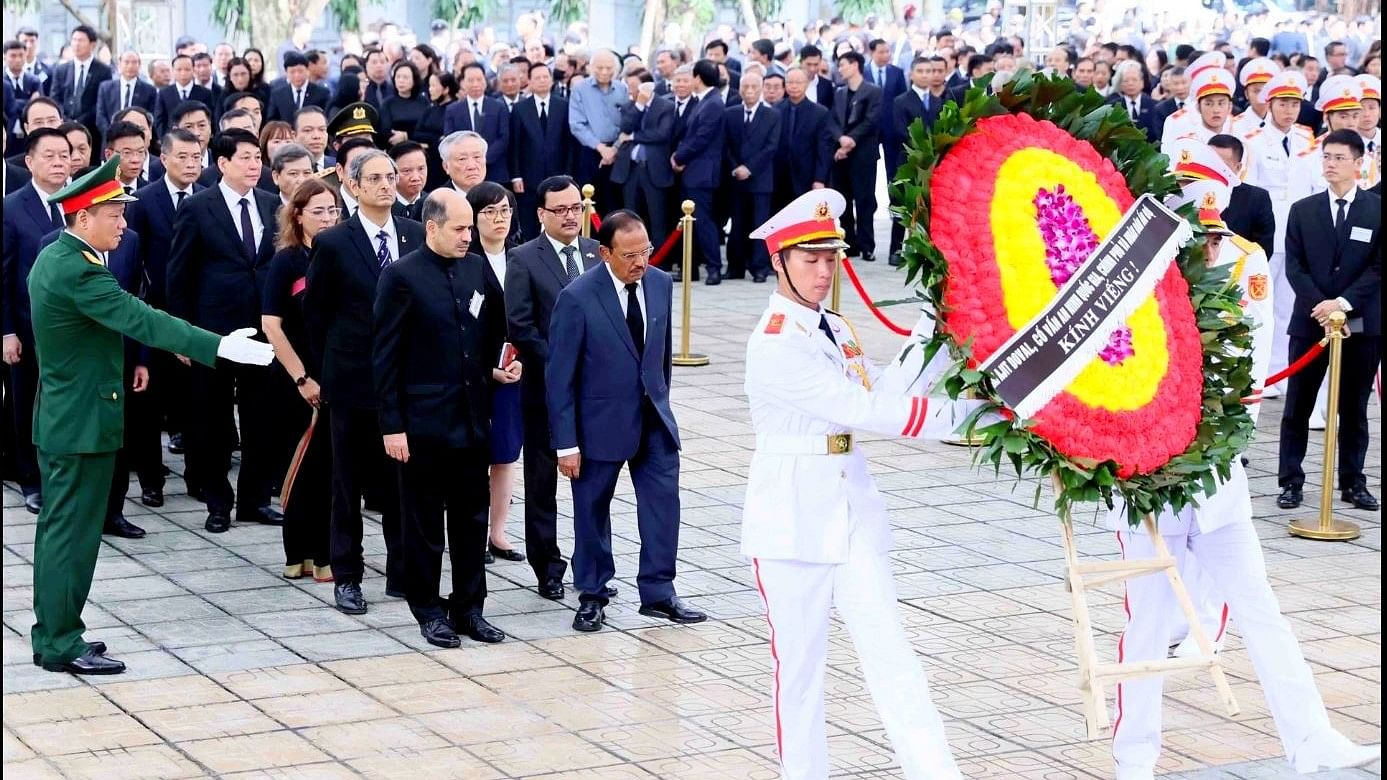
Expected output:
{"points": [[839, 443]]}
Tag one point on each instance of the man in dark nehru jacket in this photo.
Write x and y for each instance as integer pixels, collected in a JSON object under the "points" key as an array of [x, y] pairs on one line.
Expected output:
{"points": [[80, 314]]}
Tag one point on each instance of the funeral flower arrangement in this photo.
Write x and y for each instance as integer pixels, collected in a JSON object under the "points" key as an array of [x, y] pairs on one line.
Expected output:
{"points": [[1004, 198]]}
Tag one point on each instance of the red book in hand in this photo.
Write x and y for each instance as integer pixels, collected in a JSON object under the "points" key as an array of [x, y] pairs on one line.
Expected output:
{"points": [[508, 355]]}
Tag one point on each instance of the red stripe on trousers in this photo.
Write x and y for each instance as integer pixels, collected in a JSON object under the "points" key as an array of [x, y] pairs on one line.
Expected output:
{"points": [[779, 734], [924, 413], [1222, 623], [914, 411], [1126, 607]]}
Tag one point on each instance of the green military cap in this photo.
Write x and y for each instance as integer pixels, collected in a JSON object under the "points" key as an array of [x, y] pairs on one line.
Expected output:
{"points": [[354, 119], [97, 186]]}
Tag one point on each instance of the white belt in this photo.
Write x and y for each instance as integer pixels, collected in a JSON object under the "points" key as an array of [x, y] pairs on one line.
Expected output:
{"points": [[809, 444]]}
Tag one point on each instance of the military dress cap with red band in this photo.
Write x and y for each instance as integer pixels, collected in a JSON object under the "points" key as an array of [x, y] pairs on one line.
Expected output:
{"points": [[1207, 61], [808, 222], [1214, 81], [1340, 93], [1191, 160], [1370, 86], [1259, 70], [98, 186], [1286, 84]]}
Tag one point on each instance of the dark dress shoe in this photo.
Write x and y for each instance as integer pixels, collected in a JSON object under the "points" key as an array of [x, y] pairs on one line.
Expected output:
{"points": [[33, 502], [1361, 498], [264, 515], [438, 633], [153, 497], [512, 554], [895, 260], [488, 558], [88, 663], [394, 593], [551, 589], [610, 591], [673, 609], [217, 522], [590, 617], [93, 648], [349, 599], [119, 526], [868, 257], [759, 278], [478, 630], [713, 278], [176, 444], [1290, 497]]}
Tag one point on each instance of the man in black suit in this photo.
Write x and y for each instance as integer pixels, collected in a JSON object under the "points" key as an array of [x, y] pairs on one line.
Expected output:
{"points": [[540, 144], [891, 80], [535, 273], [808, 139], [1177, 83], [19, 85], [1334, 264], [223, 238], [486, 116], [127, 139], [117, 94], [412, 168], [642, 160], [978, 67], [440, 323], [922, 101], [182, 89], [296, 91], [378, 83], [343, 270], [1131, 97], [753, 137], [819, 89], [76, 82], [1249, 212], [856, 107]]}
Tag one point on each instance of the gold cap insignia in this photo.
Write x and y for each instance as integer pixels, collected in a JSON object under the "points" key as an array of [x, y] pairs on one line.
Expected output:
{"points": [[822, 212], [1185, 156], [1348, 93], [359, 113], [1209, 201]]}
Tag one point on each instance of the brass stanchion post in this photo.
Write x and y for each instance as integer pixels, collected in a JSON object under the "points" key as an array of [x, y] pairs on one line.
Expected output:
{"points": [[686, 358], [588, 208], [1326, 527]]}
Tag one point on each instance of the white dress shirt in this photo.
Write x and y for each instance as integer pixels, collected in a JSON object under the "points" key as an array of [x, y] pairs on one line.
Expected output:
{"points": [[233, 204], [498, 266], [392, 241], [811, 93], [348, 202], [558, 250], [120, 96], [1333, 214]]}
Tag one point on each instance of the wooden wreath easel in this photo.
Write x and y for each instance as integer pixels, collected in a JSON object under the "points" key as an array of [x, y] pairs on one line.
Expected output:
{"points": [[1093, 675]]}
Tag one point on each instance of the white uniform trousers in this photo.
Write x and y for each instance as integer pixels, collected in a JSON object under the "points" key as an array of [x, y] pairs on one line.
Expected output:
{"points": [[798, 597], [1231, 557], [1283, 310], [1212, 612]]}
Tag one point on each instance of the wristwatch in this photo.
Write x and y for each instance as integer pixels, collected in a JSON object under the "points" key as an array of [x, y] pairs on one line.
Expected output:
{"points": [[301, 381]]}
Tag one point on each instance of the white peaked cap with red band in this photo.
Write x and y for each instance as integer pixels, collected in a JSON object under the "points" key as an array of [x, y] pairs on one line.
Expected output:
{"points": [[808, 222]]}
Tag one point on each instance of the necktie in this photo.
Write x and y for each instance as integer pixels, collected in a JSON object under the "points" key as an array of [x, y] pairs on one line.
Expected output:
{"points": [[57, 216], [298, 98], [748, 116], [823, 326], [247, 230], [178, 199], [680, 108], [570, 262], [126, 103], [1286, 145], [1341, 216], [544, 117], [633, 319], [182, 93], [925, 101], [476, 117], [383, 249], [1136, 108], [129, 189], [81, 79], [1372, 147]]}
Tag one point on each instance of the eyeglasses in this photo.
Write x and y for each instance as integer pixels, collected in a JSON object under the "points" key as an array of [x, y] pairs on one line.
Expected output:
{"points": [[565, 211], [640, 254], [330, 211], [497, 214], [377, 179]]}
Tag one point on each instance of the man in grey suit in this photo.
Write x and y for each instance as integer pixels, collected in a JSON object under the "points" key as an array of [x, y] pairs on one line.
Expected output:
{"points": [[536, 272]]}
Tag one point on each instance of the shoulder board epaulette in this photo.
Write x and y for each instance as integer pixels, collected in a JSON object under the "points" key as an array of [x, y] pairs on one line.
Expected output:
{"points": [[327, 171], [1253, 134], [1247, 246], [775, 324], [91, 258], [1180, 112], [1304, 129]]}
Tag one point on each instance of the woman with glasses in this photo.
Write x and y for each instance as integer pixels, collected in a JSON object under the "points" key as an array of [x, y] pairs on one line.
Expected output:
{"points": [[493, 207], [311, 209]]}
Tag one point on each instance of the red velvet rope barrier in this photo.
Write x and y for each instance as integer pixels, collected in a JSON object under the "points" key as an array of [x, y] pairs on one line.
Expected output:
{"points": [[876, 312], [659, 256], [596, 221], [1291, 370]]}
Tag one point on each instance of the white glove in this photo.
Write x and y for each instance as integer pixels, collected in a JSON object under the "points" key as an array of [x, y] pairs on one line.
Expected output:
{"points": [[239, 347]]}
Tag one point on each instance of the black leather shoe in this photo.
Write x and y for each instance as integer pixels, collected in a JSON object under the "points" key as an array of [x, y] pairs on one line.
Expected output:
{"points": [[1290, 497], [895, 260], [394, 592], [673, 609], [93, 648], [590, 617], [349, 599], [176, 444], [152, 497], [33, 502], [1361, 498], [264, 515], [478, 630], [119, 526], [759, 278], [217, 522], [488, 558], [868, 257], [714, 277], [504, 554], [610, 592], [88, 663], [551, 589], [438, 633]]}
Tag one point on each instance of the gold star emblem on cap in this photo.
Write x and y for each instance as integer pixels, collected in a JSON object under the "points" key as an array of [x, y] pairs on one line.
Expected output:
{"points": [[821, 212], [1209, 201]]}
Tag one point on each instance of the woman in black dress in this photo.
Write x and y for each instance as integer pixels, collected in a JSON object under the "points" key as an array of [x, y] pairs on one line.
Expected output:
{"points": [[255, 62], [351, 88], [443, 90], [307, 550], [400, 113]]}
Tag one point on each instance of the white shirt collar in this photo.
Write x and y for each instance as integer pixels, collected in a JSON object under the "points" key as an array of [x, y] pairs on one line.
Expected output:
{"points": [[174, 188], [43, 196], [1348, 196], [372, 228], [348, 201], [401, 199], [87, 63], [124, 82], [233, 200], [558, 249], [920, 93], [181, 88]]}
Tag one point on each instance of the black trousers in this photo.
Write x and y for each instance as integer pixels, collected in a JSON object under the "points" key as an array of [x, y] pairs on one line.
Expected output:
{"points": [[143, 452], [750, 210], [892, 163], [541, 491], [24, 385], [223, 392], [1361, 356], [359, 463], [856, 179], [651, 202], [307, 516], [445, 489], [706, 251], [527, 212]]}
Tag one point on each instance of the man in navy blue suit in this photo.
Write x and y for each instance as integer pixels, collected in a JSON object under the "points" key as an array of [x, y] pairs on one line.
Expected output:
{"points": [[753, 136], [76, 82], [18, 84], [922, 101], [892, 82], [124, 91], [486, 116], [607, 387], [541, 145], [27, 219], [699, 158]]}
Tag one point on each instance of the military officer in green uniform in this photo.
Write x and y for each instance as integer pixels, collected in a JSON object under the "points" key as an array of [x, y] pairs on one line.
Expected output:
{"points": [[80, 316]]}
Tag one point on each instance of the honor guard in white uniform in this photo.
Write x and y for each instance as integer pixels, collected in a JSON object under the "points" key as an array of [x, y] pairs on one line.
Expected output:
{"points": [[1212, 94], [1368, 121], [814, 524], [1187, 118], [1220, 536], [1253, 77], [1272, 150], [1341, 102]]}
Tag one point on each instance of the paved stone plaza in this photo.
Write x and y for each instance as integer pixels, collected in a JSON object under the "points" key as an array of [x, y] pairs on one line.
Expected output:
{"points": [[235, 672]]}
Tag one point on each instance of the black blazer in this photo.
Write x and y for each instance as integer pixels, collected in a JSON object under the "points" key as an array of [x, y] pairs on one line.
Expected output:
{"points": [[211, 281], [16, 176], [342, 278], [534, 277], [1161, 113], [80, 108], [1146, 119], [413, 211], [859, 121], [495, 128], [823, 92], [168, 100], [1249, 215], [805, 152], [753, 146], [15, 99], [27, 219], [108, 98], [152, 218], [908, 107], [282, 106], [535, 153], [432, 358], [653, 130], [1321, 267]]}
